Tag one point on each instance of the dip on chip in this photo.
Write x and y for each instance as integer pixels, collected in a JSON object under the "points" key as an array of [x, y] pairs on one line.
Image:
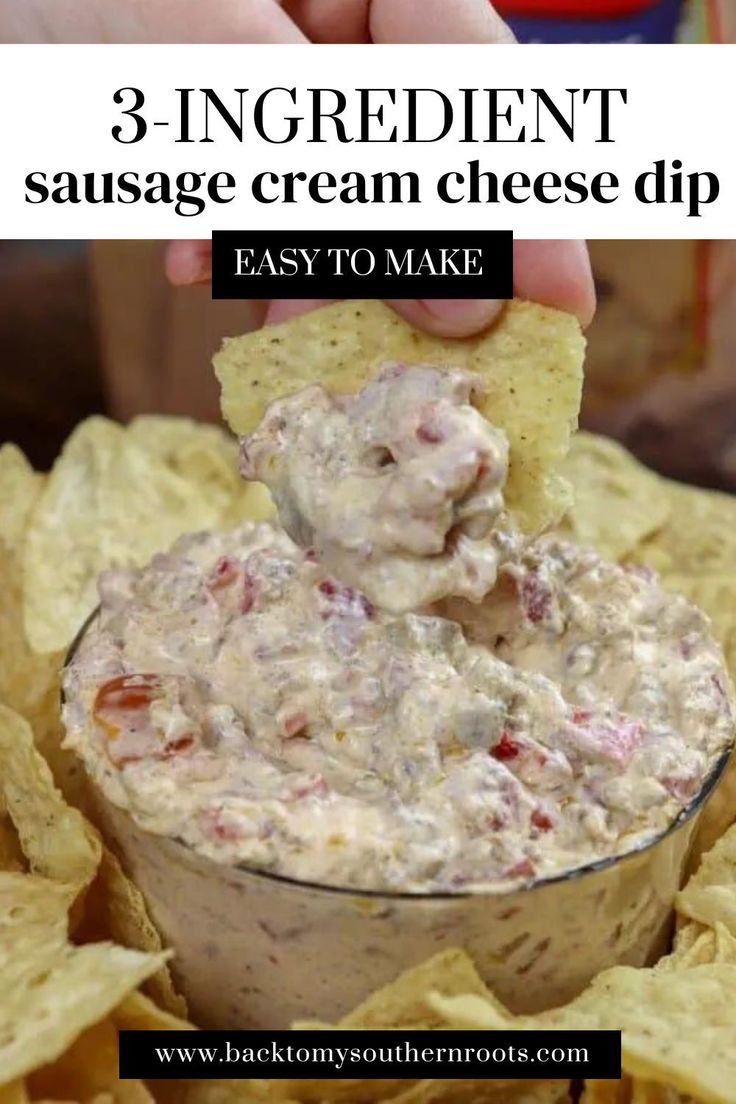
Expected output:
{"points": [[530, 363]]}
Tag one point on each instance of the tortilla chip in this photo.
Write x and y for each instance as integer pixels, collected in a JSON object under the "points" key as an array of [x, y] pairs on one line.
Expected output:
{"points": [[20, 485], [53, 991], [48, 734], [403, 1003], [177, 440], [686, 954], [88, 1070], [221, 1092], [710, 894], [699, 537], [14, 1093], [725, 949], [687, 935], [616, 500], [115, 909], [717, 817], [606, 1091], [11, 852], [24, 677], [108, 502], [204, 455], [648, 1092], [208, 457], [485, 1091], [56, 840], [677, 1027], [139, 1013], [531, 361]]}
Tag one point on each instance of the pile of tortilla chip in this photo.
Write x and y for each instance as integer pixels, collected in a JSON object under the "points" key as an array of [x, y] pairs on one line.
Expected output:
{"points": [[80, 958]]}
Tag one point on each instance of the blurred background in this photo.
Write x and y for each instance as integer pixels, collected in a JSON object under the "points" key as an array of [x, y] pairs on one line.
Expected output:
{"points": [[94, 327]]}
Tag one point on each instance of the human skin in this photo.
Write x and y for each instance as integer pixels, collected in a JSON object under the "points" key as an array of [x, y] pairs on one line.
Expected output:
{"points": [[556, 273], [251, 21], [269, 21]]}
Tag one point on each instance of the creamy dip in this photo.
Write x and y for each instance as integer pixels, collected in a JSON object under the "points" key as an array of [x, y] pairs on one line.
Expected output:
{"points": [[303, 710], [399, 489]]}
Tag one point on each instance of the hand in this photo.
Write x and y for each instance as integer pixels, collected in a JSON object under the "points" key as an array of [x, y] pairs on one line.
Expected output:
{"points": [[251, 21], [556, 273], [723, 19]]}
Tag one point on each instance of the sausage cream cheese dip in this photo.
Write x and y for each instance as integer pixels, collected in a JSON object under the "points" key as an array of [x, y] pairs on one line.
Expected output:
{"points": [[392, 691], [398, 489]]}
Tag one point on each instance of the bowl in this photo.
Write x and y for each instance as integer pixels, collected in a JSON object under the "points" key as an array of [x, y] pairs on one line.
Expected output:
{"points": [[258, 950]]}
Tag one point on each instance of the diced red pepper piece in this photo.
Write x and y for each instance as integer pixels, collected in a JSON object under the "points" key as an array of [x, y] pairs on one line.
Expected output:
{"points": [[523, 869], [345, 600], [181, 743], [215, 824], [294, 724], [541, 820], [536, 597], [250, 592], [121, 695], [506, 748], [612, 740], [681, 788], [316, 787], [225, 572], [429, 433], [484, 464]]}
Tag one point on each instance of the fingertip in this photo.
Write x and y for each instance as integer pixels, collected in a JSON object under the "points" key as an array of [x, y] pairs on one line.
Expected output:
{"points": [[282, 310], [461, 21], [188, 262], [449, 317], [556, 273]]}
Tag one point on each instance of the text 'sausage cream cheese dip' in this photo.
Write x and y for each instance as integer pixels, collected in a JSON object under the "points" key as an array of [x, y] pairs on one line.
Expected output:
{"points": [[391, 690]]}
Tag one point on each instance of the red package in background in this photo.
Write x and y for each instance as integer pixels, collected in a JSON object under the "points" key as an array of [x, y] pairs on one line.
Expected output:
{"points": [[623, 21]]}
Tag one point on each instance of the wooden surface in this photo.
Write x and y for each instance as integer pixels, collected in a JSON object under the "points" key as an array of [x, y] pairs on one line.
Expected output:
{"points": [[49, 365]]}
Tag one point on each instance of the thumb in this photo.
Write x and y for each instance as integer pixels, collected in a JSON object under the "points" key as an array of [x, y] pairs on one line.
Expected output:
{"points": [[449, 317], [444, 21]]}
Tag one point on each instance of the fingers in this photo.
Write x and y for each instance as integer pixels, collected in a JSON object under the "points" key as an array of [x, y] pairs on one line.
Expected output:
{"points": [[216, 21], [443, 317], [330, 20], [557, 274], [449, 317], [281, 310], [723, 18], [188, 262], [437, 21]]}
